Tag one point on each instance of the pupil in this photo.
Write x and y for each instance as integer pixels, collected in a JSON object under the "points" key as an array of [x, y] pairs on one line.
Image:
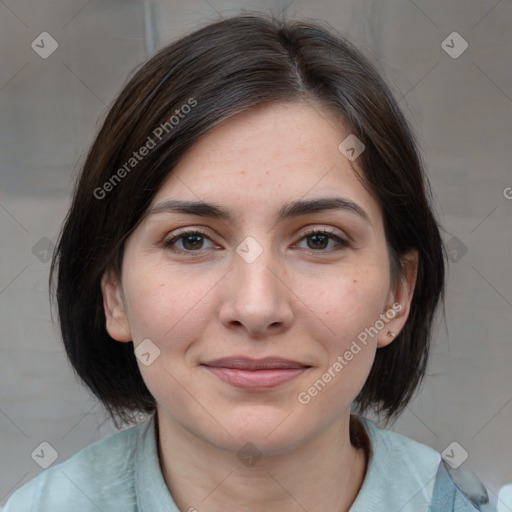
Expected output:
{"points": [[319, 236], [196, 237]]}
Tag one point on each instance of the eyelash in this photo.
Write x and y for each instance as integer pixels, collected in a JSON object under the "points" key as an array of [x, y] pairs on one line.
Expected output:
{"points": [[343, 244]]}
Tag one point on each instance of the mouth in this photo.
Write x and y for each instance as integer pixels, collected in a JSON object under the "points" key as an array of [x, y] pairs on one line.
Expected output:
{"points": [[256, 374]]}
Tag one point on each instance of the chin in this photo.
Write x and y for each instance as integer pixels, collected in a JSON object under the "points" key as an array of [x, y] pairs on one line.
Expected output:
{"points": [[251, 442], [271, 431]]}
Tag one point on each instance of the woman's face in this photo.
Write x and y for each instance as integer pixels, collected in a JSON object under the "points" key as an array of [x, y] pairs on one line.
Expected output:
{"points": [[257, 329]]}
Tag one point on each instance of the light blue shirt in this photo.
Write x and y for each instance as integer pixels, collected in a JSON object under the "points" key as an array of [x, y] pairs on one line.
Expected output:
{"points": [[122, 473]]}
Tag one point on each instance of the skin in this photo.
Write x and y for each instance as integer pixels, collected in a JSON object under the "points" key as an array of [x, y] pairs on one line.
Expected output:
{"points": [[296, 300]]}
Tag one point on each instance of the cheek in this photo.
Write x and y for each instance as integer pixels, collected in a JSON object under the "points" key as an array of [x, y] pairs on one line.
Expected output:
{"points": [[352, 302], [350, 307], [162, 307], [170, 311]]}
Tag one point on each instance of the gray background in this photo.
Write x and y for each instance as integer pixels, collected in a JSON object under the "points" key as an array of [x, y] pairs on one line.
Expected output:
{"points": [[460, 107]]}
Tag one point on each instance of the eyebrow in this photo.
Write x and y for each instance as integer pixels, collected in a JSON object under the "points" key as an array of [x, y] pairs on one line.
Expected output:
{"points": [[288, 211]]}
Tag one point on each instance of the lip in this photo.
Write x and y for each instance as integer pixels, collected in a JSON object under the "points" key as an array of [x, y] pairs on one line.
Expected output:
{"points": [[254, 374], [248, 363]]}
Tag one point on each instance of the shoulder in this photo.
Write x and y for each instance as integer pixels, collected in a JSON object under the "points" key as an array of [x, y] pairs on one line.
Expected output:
{"points": [[400, 450], [417, 476], [87, 481], [400, 473]]}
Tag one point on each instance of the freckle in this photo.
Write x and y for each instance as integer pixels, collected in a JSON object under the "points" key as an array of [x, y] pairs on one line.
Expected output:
{"points": [[354, 281]]}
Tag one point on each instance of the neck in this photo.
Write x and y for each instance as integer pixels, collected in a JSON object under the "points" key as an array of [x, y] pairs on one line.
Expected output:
{"points": [[325, 473]]}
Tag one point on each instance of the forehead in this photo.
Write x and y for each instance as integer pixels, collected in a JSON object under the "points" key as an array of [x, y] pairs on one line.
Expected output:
{"points": [[266, 156]]}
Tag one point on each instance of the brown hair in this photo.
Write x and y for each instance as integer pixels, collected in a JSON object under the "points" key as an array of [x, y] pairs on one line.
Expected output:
{"points": [[227, 67]]}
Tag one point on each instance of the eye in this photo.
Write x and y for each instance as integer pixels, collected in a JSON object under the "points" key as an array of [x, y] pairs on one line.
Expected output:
{"points": [[320, 239], [192, 241]]}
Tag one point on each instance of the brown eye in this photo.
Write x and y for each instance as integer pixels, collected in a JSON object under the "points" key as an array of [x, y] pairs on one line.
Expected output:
{"points": [[320, 239], [192, 241]]}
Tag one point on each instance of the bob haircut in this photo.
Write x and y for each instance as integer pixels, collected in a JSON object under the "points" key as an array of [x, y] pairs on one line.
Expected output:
{"points": [[168, 104]]}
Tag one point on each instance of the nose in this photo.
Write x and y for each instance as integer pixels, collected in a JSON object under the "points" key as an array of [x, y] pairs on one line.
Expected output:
{"points": [[256, 297]]}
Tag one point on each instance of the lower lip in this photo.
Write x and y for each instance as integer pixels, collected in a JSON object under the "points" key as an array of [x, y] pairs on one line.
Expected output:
{"points": [[256, 379]]}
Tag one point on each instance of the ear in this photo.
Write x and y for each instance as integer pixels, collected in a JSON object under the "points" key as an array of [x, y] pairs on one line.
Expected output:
{"points": [[398, 304], [115, 310]]}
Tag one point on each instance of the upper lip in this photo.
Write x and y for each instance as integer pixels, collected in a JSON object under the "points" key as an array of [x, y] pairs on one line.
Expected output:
{"points": [[244, 363]]}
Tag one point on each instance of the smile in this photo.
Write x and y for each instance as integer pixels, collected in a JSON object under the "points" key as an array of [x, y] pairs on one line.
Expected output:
{"points": [[256, 374]]}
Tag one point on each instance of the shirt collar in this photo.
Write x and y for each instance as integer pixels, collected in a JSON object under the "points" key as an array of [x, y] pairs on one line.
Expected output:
{"points": [[150, 487]]}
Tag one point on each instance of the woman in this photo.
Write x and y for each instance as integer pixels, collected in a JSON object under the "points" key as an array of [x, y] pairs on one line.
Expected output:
{"points": [[249, 257]]}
